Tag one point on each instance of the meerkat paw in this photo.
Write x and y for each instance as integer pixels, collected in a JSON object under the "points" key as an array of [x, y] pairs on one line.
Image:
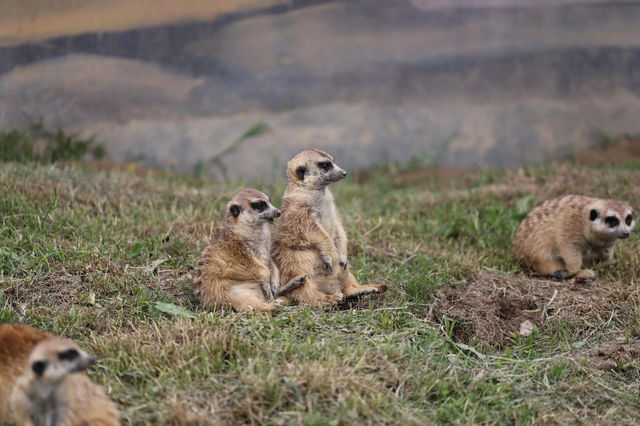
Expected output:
{"points": [[327, 263], [279, 301], [266, 290], [585, 275], [275, 289], [610, 262], [343, 264], [299, 280], [561, 274], [335, 298]]}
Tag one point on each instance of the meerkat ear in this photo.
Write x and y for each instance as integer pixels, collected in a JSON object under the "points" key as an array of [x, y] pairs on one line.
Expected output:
{"points": [[300, 171], [593, 214], [235, 210], [38, 367]]}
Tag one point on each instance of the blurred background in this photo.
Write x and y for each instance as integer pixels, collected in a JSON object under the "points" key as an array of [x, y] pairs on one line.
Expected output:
{"points": [[241, 85]]}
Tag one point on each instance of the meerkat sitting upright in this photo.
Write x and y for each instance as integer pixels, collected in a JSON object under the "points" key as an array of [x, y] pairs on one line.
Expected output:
{"points": [[563, 233], [236, 269], [16, 343], [54, 390], [310, 238]]}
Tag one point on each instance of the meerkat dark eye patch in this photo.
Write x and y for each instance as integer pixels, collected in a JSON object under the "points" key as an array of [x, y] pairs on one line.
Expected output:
{"points": [[301, 171], [612, 221], [69, 354], [593, 214], [235, 210], [325, 165], [259, 205], [38, 367], [628, 219]]}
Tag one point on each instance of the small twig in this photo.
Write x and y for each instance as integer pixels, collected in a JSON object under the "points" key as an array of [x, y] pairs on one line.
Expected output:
{"points": [[546, 306]]}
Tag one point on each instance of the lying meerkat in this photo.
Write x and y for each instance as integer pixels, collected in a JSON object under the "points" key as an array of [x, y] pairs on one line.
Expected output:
{"points": [[53, 390], [310, 238], [236, 269], [16, 343], [563, 233]]}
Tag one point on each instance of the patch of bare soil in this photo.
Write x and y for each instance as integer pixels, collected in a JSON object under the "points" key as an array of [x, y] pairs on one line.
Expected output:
{"points": [[490, 308], [613, 356], [442, 176], [621, 151]]}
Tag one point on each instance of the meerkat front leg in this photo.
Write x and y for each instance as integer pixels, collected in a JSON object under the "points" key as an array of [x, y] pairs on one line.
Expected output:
{"points": [[274, 280], [324, 245], [606, 257], [266, 290], [573, 263], [341, 245], [264, 278]]}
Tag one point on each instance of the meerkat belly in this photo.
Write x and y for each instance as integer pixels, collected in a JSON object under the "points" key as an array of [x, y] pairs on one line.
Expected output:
{"points": [[261, 246], [325, 215]]}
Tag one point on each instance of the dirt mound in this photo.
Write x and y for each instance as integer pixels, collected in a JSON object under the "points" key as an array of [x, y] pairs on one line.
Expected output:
{"points": [[613, 356], [624, 150], [490, 308]]}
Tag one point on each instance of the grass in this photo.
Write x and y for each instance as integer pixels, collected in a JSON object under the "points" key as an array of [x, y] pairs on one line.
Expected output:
{"points": [[37, 144], [93, 255]]}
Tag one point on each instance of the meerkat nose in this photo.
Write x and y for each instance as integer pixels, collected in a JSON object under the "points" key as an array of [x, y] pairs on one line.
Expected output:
{"points": [[625, 234], [278, 213], [344, 173]]}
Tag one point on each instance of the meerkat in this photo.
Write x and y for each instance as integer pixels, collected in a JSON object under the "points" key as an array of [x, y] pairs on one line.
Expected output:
{"points": [[310, 238], [563, 233], [54, 390], [236, 269], [16, 343]]}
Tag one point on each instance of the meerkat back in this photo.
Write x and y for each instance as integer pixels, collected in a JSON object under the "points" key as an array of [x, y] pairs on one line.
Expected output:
{"points": [[16, 343]]}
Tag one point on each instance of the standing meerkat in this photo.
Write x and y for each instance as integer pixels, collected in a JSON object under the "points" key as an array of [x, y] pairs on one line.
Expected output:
{"points": [[53, 389], [563, 233], [236, 269], [16, 343], [310, 237]]}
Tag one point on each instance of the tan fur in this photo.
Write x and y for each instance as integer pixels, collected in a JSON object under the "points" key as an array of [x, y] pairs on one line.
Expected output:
{"points": [[60, 394], [236, 269], [310, 238], [16, 343], [558, 236]]}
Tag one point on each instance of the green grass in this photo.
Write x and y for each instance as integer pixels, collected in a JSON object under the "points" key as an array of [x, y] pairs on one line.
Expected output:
{"points": [[45, 146], [90, 255]]}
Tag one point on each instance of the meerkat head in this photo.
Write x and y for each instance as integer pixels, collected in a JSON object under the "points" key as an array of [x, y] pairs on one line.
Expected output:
{"points": [[611, 219], [251, 207], [52, 360], [313, 169]]}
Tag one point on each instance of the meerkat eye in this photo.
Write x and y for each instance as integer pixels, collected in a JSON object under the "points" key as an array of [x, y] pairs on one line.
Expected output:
{"points": [[325, 165], [69, 354], [628, 219], [612, 221], [301, 171], [593, 215], [235, 210], [38, 367], [259, 205]]}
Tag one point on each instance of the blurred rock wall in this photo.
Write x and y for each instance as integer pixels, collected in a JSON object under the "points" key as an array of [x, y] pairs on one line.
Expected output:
{"points": [[467, 83]]}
